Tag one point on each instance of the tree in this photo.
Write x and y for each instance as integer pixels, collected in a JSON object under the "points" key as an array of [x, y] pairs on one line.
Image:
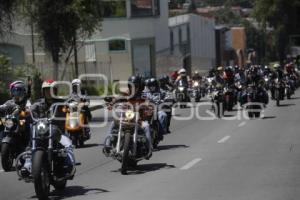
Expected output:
{"points": [[6, 15], [282, 16], [60, 23]]}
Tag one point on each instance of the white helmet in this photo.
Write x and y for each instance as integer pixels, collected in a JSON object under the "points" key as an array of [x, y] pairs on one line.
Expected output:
{"points": [[76, 82], [276, 66], [182, 71]]}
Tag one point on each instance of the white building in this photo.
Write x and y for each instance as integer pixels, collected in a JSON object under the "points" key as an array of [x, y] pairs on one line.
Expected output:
{"points": [[128, 40], [192, 43]]}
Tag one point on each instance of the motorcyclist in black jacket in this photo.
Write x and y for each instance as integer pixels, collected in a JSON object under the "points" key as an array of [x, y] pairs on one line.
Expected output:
{"points": [[44, 108], [19, 99]]}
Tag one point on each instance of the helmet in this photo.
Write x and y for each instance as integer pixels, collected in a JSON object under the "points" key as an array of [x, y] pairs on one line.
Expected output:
{"points": [[18, 91], [46, 89], [182, 71], [153, 85], [76, 82], [135, 81], [276, 66], [48, 84], [220, 68]]}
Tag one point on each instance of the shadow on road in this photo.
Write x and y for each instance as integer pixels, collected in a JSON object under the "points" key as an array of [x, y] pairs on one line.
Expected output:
{"points": [[145, 168], [89, 146], [287, 105], [268, 117], [294, 98], [170, 147], [74, 191]]}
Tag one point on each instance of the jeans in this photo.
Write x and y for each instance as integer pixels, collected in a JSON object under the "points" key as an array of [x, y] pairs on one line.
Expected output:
{"points": [[163, 122], [145, 127]]}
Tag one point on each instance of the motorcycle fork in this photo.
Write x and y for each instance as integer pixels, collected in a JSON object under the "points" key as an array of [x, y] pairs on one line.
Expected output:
{"points": [[135, 135], [119, 134], [50, 147]]}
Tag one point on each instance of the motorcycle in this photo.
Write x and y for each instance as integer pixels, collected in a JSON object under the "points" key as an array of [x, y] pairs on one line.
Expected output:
{"points": [[181, 94], [278, 91], [1, 131], [210, 83], [217, 99], [267, 81], [48, 158], [254, 101], [75, 122], [128, 140], [15, 138], [196, 91], [229, 98]]}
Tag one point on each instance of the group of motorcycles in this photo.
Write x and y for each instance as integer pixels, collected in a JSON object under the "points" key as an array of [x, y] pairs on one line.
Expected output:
{"points": [[251, 93], [44, 157]]}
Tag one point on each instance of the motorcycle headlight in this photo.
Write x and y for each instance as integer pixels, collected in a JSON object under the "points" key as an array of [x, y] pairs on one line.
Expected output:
{"points": [[181, 89], [196, 84], [129, 115], [266, 79], [9, 123], [41, 128]]}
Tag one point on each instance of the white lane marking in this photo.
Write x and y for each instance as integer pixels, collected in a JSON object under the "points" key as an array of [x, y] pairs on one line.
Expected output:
{"points": [[191, 164], [224, 139], [242, 124]]}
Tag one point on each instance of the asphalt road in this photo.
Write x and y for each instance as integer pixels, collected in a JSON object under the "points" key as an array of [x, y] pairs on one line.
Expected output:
{"points": [[218, 159]]}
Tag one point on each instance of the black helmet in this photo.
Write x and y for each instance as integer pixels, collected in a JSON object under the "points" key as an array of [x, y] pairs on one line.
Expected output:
{"points": [[153, 84], [135, 81]]}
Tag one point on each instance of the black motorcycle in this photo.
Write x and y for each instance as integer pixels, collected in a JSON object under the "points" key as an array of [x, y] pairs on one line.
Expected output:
{"points": [[49, 165], [128, 142], [196, 91], [15, 138], [254, 101], [229, 98], [278, 88], [182, 94], [217, 99]]}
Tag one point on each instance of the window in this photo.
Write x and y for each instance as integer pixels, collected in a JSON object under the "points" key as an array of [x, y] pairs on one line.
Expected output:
{"points": [[114, 8], [90, 53], [171, 41], [143, 8], [117, 45], [180, 36]]}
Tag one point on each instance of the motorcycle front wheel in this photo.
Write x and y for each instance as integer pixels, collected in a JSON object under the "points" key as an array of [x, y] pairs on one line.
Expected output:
{"points": [[125, 157], [7, 158], [40, 175]]}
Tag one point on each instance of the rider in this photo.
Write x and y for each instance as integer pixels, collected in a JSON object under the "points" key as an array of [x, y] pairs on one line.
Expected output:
{"points": [[77, 96], [219, 76], [133, 96], [157, 96], [196, 76], [278, 74], [165, 83], [182, 76], [19, 99], [43, 107]]}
